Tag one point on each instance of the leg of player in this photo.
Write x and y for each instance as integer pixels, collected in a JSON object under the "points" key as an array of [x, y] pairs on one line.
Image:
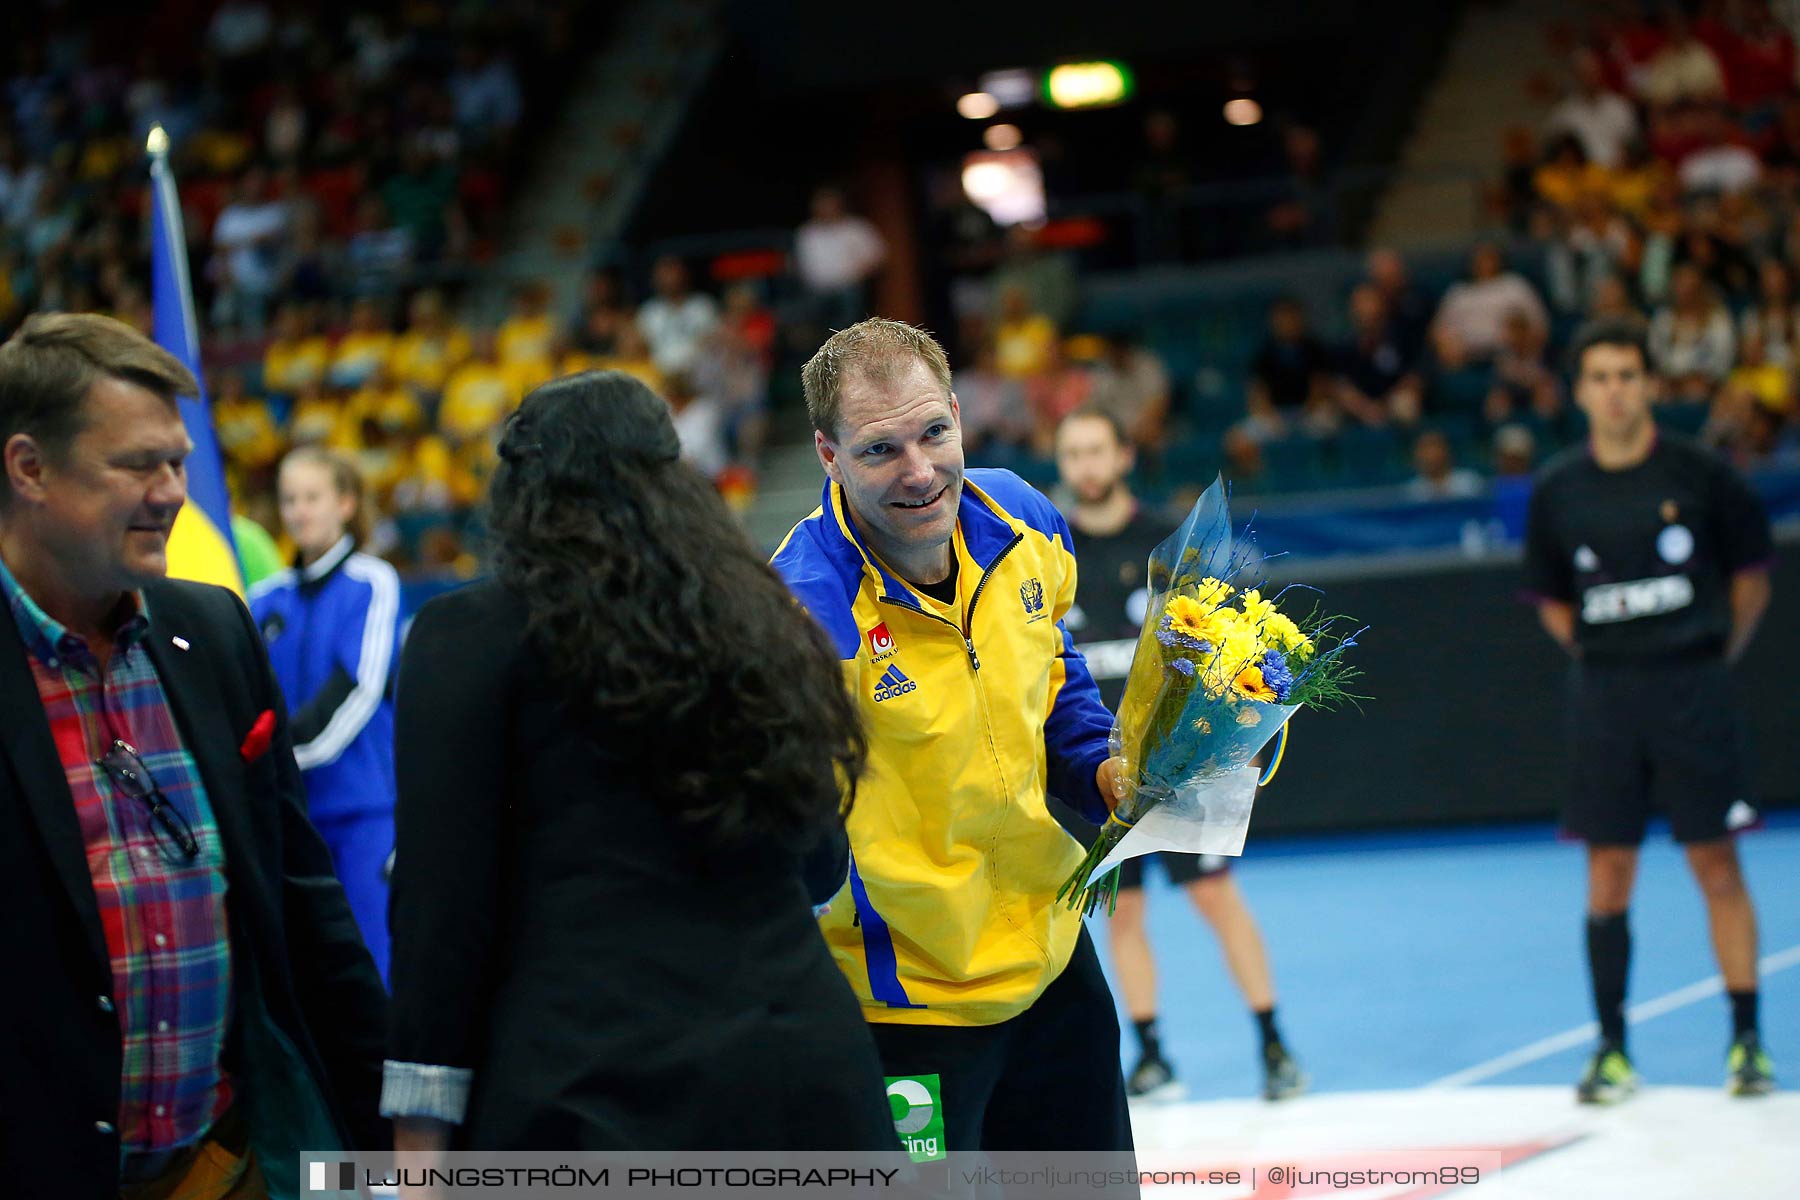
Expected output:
{"points": [[1218, 899], [1748, 1069], [1612, 872], [1135, 966]]}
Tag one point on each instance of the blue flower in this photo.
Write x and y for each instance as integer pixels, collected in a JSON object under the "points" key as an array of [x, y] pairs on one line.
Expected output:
{"points": [[1276, 674], [1184, 641], [1184, 666]]}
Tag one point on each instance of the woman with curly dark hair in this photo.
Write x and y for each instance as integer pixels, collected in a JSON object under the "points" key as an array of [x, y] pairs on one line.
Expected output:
{"points": [[618, 765]]}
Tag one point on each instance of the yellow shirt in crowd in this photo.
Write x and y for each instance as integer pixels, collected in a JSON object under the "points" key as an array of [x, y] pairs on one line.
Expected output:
{"points": [[1022, 347], [525, 338], [358, 355], [425, 360], [290, 366], [476, 397]]}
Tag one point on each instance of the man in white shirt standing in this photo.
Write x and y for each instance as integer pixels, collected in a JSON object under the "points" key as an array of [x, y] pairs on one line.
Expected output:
{"points": [[835, 253], [676, 320], [1602, 121], [248, 243]]}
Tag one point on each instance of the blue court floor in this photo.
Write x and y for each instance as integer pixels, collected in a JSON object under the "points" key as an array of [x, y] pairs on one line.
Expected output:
{"points": [[1457, 958]]}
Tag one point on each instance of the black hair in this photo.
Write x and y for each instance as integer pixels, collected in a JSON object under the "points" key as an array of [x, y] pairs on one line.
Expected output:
{"points": [[1607, 332], [668, 632]]}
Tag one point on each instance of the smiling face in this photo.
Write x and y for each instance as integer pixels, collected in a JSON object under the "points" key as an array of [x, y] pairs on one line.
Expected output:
{"points": [[101, 512], [898, 456]]}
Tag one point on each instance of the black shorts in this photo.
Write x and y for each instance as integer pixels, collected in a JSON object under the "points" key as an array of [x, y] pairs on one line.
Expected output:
{"points": [[1180, 868], [1047, 1079], [1655, 736]]}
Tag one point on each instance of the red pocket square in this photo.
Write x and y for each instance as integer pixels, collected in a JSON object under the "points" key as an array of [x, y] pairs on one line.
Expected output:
{"points": [[256, 742]]}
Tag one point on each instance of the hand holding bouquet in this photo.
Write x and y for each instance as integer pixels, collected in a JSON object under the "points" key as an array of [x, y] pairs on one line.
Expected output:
{"points": [[1218, 671]]}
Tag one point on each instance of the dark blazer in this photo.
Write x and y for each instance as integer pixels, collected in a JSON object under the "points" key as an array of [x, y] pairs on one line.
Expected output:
{"points": [[306, 1040], [554, 931]]}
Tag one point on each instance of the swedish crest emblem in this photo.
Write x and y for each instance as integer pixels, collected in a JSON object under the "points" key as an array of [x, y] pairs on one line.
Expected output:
{"points": [[1031, 595]]}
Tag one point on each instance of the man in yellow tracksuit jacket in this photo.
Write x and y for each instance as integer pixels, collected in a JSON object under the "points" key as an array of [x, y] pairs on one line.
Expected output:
{"points": [[945, 593]]}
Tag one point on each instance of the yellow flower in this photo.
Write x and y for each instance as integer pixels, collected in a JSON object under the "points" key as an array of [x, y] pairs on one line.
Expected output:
{"points": [[1212, 592], [1256, 609], [1286, 636], [1249, 682]]}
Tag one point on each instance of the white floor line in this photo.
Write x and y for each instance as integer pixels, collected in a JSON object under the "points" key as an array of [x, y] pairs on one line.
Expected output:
{"points": [[1636, 1014]]}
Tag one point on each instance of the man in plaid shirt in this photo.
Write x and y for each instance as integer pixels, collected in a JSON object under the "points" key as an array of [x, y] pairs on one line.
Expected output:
{"points": [[193, 1004]]}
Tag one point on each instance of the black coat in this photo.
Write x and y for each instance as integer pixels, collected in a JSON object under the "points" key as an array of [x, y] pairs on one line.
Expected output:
{"points": [[552, 932], [305, 1044]]}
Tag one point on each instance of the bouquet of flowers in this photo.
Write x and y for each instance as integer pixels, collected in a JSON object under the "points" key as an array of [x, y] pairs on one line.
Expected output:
{"points": [[1219, 670]]}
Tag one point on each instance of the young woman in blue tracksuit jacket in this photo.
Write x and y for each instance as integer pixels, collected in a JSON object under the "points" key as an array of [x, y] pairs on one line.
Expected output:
{"points": [[332, 624]]}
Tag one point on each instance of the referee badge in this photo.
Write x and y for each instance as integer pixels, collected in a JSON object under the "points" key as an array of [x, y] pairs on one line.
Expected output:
{"points": [[1675, 544]]}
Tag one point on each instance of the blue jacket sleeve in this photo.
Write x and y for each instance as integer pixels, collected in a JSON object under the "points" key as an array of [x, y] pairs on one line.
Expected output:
{"points": [[1078, 724]]}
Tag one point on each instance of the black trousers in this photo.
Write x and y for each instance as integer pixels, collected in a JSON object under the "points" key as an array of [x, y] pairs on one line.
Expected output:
{"points": [[1048, 1079]]}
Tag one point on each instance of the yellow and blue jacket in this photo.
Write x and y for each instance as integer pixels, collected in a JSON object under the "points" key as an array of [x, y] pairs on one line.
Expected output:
{"points": [[974, 710]]}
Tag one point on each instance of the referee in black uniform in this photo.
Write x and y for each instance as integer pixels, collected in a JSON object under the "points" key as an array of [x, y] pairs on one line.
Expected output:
{"points": [[1649, 561]]}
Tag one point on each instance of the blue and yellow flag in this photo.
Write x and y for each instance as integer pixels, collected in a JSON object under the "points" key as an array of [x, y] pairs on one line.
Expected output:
{"points": [[201, 546]]}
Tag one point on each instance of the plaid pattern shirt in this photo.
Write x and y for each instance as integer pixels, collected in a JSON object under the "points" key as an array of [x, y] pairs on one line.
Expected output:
{"points": [[163, 914]]}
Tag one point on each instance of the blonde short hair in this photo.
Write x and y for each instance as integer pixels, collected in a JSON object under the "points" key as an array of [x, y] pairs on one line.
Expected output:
{"points": [[876, 349]]}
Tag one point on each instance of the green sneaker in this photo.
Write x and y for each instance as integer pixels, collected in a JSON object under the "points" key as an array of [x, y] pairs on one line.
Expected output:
{"points": [[1608, 1078], [1748, 1069]]}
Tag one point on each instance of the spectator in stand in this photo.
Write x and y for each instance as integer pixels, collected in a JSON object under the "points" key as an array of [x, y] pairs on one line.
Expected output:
{"points": [[249, 239], [379, 252], [1046, 277], [317, 418], [1691, 342], [1375, 380], [735, 368], [1594, 246], [421, 199], [1602, 120], [1515, 453], [1024, 338], [603, 315], [991, 404], [1757, 57], [1408, 311], [1470, 321], [527, 333], [298, 354], [1439, 478], [1523, 382], [675, 321], [631, 355], [246, 431], [430, 348], [1290, 379], [836, 254], [1061, 387], [366, 346], [699, 425], [1567, 175], [1684, 69], [1612, 301], [1774, 319], [478, 394], [1131, 382], [485, 91], [1758, 380], [1305, 215], [1720, 163]]}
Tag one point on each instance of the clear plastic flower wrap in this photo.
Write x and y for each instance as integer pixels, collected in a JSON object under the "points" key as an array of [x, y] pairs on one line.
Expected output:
{"points": [[1218, 672]]}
